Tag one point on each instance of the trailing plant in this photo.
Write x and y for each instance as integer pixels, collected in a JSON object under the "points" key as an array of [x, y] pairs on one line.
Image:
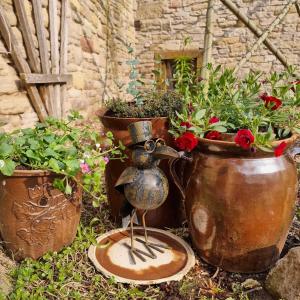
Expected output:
{"points": [[254, 110], [76, 153]]}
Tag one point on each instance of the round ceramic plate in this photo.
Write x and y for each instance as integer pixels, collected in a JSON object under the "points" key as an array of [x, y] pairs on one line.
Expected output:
{"points": [[112, 258]]}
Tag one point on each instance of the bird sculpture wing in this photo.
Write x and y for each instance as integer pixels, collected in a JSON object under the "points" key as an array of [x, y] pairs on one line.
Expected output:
{"points": [[128, 176]]}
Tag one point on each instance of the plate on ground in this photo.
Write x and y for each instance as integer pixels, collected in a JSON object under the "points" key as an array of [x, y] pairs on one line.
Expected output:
{"points": [[111, 257]]}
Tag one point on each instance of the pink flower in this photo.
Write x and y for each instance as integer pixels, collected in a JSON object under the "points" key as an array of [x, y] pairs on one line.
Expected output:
{"points": [[213, 120], [106, 159], [84, 168]]}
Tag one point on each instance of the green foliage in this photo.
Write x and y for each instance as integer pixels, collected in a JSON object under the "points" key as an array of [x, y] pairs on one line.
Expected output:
{"points": [[61, 147], [135, 83], [237, 103], [156, 104]]}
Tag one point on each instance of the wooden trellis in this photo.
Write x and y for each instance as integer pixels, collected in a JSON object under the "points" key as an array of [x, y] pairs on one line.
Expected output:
{"points": [[42, 74], [262, 36]]}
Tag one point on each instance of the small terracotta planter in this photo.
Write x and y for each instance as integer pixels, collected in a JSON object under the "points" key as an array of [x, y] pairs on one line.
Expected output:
{"points": [[171, 213], [35, 217], [239, 204]]}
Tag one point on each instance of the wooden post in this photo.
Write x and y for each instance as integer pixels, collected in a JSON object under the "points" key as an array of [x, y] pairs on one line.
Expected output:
{"points": [[241, 16], [63, 48], [27, 36], [298, 8], [54, 54], [263, 37], [21, 65], [40, 30], [208, 39]]}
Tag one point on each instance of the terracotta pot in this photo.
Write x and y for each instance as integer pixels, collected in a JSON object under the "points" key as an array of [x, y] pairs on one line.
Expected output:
{"points": [[35, 217], [171, 213], [239, 204]]}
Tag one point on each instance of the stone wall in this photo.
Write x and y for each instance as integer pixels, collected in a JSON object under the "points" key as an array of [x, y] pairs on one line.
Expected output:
{"points": [[99, 32], [163, 24]]}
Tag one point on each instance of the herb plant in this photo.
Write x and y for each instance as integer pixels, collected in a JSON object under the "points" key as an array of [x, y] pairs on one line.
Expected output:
{"points": [[78, 154], [148, 103]]}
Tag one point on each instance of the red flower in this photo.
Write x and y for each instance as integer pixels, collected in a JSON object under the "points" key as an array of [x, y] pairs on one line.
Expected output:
{"points": [[186, 124], [213, 120], [213, 135], [278, 151], [244, 138], [186, 142], [270, 101]]}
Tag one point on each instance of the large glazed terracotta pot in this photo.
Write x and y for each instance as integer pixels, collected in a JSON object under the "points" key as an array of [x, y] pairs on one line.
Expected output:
{"points": [[239, 204], [171, 213], [35, 217]]}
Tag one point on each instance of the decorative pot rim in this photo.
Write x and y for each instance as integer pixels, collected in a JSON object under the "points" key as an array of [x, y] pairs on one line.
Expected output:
{"points": [[290, 141]]}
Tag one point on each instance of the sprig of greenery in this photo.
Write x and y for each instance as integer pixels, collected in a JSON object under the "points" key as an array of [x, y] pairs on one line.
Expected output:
{"points": [[135, 83], [76, 152]]}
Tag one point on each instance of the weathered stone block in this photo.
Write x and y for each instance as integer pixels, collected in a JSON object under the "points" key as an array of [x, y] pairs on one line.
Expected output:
{"points": [[283, 280]]}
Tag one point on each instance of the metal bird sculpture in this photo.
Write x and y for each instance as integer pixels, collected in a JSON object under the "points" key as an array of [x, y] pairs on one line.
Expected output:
{"points": [[144, 185]]}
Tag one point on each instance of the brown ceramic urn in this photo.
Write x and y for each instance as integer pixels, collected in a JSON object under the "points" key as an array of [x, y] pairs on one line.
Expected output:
{"points": [[240, 204], [34, 216], [171, 213]]}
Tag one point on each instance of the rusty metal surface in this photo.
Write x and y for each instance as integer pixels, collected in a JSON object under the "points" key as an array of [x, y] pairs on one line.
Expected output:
{"points": [[239, 205], [172, 265], [34, 216], [170, 213]]}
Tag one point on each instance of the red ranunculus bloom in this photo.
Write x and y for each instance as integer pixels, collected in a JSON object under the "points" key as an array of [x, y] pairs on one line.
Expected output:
{"points": [[244, 138], [186, 142], [213, 135], [213, 120], [186, 124], [270, 101], [278, 151]]}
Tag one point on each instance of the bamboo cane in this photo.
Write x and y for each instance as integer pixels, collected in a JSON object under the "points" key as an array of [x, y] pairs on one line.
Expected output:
{"points": [[208, 39], [263, 37], [241, 16]]}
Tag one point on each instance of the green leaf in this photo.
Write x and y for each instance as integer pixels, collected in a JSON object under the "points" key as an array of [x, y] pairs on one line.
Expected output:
{"points": [[200, 114], [73, 166], [220, 128], [6, 150], [7, 167], [50, 152], [53, 164], [68, 189], [32, 154]]}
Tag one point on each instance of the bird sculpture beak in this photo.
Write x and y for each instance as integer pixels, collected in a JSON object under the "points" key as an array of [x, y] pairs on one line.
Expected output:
{"points": [[165, 152]]}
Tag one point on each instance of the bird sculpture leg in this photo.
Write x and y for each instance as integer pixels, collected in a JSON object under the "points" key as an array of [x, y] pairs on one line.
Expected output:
{"points": [[146, 243], [132, 250]]}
